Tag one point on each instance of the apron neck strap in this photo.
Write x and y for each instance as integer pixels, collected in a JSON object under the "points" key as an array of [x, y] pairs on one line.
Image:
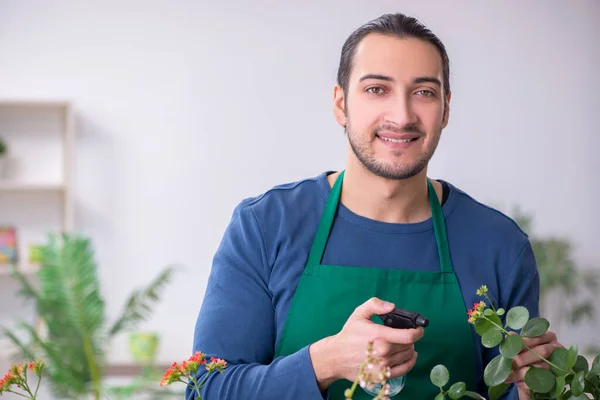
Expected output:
{"points": [[326, 222], [439, 227]]}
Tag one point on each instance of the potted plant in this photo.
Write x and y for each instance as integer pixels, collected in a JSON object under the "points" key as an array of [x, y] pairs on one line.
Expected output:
{"points": [[76, 334], [568, 291]]}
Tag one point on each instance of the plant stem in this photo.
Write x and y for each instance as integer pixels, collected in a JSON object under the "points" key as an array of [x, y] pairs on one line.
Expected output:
{"points": [[95, 375], [549, 363], [524, 345], [203, 380], [197, 390], [490, 301], [37, 386], [25, 386], [18, 394], [355, 383]]}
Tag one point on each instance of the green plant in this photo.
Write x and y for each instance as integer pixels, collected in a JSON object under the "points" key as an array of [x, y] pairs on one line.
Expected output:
{"points": [[69, 301], [3, 147], [371, 372], [17, 376], [187, 372], [560, 274], [567, 377]]}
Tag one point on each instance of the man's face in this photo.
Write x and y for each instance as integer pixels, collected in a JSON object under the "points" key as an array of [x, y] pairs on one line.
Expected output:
{"points": [[394, 111]]}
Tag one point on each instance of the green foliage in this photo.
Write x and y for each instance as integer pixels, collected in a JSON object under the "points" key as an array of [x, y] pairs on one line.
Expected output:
{"points": [[568, 377], [69, 301], [139, 305], [440, 376], [3, 147], [560, 274]]}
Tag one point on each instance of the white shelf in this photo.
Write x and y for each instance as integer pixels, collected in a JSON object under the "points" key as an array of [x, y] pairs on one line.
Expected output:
{"points": [[30, 187], [35, 103]]}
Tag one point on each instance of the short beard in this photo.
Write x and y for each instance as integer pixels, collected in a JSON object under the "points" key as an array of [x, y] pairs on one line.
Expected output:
{"points": [[398, 171]]}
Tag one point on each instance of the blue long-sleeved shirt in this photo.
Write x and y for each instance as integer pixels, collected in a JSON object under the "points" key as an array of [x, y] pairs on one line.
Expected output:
{"points": [[263, 254]]}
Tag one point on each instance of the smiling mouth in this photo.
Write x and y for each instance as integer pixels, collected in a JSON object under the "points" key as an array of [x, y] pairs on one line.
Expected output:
{"points": [[392, 140]]}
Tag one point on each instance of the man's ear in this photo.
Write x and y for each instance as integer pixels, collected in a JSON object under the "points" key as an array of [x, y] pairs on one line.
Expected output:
{"points": [[339, 109], [446, 111]]}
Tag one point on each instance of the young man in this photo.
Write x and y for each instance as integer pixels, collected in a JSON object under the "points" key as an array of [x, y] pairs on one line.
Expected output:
{"points": [[304, 268]]}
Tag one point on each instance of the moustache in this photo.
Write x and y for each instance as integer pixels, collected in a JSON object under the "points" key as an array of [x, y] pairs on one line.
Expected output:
{"points": [[395, 129]]}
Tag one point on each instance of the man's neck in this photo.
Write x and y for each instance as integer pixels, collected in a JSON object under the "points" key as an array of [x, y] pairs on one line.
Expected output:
{"points": [[377, 198]]}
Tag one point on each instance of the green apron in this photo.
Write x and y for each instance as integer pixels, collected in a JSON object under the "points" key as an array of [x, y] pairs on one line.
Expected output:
{"points": [[327, 294]]}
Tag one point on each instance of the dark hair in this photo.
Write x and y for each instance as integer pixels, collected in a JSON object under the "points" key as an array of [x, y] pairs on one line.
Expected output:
{"points": [[398, 25]]}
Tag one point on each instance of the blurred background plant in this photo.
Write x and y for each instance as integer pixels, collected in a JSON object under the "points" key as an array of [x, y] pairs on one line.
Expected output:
{"points": [[3, 157], [568, 291], [143, 347], [73, 336]]}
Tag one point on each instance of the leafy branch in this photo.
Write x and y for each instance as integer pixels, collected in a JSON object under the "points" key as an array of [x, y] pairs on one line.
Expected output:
{"points": [[139, 305], [568, 376]]}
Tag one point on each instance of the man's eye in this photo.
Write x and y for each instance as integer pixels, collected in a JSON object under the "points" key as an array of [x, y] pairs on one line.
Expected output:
{"points": [[375, 90], [426, 93]]}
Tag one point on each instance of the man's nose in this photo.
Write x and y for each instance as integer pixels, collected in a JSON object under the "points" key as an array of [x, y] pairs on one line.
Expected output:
{"points": [[401, 111]]}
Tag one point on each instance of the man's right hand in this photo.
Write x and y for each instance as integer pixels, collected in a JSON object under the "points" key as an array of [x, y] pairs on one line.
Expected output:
{"points": [[340, 356]]}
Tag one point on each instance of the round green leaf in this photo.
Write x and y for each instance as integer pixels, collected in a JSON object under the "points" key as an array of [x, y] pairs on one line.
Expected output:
{"points": [[559, 387], [511, 346], [535, 327], [500, 311], [539, 379], [482, 325], [492, 338], [581, 365], [497, 371], [488, 312], [573, 353], [517, 317], [440, 396], [595, 370], [578, 384], [496, 391], [560, 358], [439, 376], [457, 390]]}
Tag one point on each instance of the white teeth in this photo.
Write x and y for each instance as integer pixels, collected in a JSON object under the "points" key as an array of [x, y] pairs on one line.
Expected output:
{"points": [[396, 140]]}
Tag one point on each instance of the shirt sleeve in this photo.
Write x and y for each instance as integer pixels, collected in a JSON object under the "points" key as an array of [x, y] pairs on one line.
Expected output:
{"points": [[521, 289], [236, 323]]}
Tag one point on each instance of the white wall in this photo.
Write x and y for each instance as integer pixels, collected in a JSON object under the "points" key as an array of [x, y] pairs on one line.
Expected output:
{"points": [[186, 107]]}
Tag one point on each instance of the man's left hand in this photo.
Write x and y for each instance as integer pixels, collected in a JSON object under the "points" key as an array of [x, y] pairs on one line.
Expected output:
{"points": [[544, 346]]}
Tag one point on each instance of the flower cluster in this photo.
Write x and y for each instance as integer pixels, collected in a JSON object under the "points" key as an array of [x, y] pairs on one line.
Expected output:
{"points": [[17, 376], [186, 372], [372, 372], [476, 311], [482, 291]]}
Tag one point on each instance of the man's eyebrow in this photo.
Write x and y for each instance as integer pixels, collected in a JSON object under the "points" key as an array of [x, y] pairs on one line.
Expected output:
{"points": [[376, 76], [420, 79], [427, 79]]}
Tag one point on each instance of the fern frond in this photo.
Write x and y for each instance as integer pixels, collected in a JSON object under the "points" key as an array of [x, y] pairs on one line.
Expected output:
{"points": [[138, 307], [55, 356], [70, 303], [26, 290], [25, 351], [71, 284]]}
